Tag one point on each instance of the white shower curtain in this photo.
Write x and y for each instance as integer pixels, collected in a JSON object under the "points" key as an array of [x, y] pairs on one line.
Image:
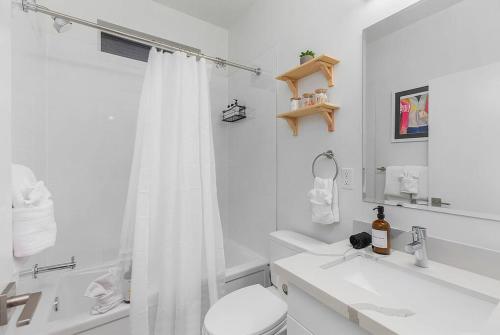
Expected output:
{"points": [[172, 230]]}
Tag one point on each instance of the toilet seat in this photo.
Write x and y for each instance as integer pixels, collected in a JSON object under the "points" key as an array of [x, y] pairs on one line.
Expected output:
{"points": [[252, 310]]}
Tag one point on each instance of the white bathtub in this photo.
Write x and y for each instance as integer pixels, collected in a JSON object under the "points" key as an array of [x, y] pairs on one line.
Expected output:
{"points": [[244, 268]]}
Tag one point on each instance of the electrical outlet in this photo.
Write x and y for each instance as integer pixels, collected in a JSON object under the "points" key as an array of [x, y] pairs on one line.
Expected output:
{"points": [[347, 178]]}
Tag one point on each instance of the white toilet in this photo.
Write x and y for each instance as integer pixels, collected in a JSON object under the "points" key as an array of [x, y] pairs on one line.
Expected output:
{"points": [[255, 310]]}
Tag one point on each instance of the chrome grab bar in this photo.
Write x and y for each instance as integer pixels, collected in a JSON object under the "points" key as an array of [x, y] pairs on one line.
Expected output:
{"points": [[36, 270], [70, 265]]}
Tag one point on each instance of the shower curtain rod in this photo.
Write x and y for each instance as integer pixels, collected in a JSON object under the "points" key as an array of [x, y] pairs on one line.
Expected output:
{"points": [[31, 5]]}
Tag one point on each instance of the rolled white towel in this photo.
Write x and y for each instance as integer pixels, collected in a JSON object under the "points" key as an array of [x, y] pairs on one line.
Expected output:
{"points": [[33, 229], [23, 179], [409, 184], [37, 195], [26, 190], [106, 292]]}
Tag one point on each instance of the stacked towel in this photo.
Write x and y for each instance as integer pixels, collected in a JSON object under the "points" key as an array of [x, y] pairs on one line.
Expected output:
{"points": [[404, 180], [26, 190], [106, 292], [421, 174], [393, 176], [34, 229], [324, 201], [409, 184], [33, 223]]}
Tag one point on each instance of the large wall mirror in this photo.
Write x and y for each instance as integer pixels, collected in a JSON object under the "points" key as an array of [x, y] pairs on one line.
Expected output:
{"points": [[431, 124]]}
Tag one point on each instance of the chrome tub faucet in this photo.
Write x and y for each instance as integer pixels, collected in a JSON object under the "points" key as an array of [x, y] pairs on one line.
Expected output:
{"points": [[9, 299], [418, 246]]}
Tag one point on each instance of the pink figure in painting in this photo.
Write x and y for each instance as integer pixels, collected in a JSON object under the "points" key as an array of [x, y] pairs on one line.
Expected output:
{"points": [[404, 109]]}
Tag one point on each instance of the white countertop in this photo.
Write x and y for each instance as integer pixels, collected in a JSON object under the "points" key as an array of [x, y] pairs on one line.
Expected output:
{"points": [[309, 272]]}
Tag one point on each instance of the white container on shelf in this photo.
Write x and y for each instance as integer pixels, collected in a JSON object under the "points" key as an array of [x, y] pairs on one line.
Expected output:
{"points": [[295, 103]]}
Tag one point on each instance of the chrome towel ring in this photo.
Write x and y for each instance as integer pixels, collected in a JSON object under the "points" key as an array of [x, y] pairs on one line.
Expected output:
{"points": [[330, 155]]}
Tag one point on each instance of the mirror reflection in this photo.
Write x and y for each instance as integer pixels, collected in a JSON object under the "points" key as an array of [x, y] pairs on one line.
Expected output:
{"points": [[431, 119]]}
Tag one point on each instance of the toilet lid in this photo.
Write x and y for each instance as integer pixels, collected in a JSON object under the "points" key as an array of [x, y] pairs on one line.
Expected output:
{"points": [[252, 310]]}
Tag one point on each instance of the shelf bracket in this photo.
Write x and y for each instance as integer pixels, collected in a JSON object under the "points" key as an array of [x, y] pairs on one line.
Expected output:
{"points": [[327, 70], [293, 86], [329, 119], [294, 125]]}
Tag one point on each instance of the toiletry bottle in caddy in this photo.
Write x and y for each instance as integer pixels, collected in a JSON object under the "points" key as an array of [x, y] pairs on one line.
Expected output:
{"points": [[127, 285], [381, 233]]}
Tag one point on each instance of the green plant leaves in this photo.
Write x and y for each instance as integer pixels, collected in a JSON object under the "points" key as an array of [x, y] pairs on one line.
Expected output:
{"points": [[307, 53]]}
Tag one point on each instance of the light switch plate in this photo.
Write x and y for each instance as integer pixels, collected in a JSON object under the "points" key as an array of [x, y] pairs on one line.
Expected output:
{"points": [[347, 176]]}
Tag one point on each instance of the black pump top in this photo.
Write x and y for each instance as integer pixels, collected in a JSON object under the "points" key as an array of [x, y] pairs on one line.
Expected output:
{"points": [[380, 214]]}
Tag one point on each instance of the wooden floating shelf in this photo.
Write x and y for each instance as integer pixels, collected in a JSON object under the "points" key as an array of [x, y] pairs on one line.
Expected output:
{"points": [[324, 109], [321, 63]]}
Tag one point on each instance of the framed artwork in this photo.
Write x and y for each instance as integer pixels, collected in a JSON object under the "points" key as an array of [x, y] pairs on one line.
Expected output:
{"points": [[411, 115]]}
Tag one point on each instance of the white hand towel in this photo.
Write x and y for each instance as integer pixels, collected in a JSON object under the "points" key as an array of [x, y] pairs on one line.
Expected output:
{"points": [[421, 173], [392, 180], [335, 203], [323, 197], [33, 229], [106, 292]]}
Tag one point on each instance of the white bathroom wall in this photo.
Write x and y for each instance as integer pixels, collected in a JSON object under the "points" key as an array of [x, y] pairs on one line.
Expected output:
{"points": [[29, 96], [5, 145], [332, 27], [252, 155], [86, 123], [471, 187]]}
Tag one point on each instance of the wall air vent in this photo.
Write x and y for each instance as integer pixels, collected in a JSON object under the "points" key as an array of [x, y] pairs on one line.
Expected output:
{"points": [[130, 49]]}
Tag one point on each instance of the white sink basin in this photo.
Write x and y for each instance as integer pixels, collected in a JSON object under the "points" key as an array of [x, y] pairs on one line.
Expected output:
{"points": [[408, 300]]}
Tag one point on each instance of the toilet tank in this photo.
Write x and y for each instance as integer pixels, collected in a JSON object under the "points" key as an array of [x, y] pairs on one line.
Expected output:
{"points": [[285, 243]]}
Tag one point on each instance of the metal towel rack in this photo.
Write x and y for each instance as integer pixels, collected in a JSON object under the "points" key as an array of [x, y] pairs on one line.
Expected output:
{"points": [[330, 155]]}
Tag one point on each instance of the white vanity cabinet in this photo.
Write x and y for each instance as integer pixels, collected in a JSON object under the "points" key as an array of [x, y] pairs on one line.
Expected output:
{"points": [[293, 327], [308, 316]]}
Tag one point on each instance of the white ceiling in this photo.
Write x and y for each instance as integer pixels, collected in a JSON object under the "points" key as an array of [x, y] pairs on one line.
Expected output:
{"points": [[219, 12]]}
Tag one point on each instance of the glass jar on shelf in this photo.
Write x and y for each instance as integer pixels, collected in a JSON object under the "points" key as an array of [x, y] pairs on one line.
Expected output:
{"points": [[295, 103], [307, 100], [320, 96]]}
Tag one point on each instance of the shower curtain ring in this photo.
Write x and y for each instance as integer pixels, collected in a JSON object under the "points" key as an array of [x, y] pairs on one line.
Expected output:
{"points": [[220, 63]]}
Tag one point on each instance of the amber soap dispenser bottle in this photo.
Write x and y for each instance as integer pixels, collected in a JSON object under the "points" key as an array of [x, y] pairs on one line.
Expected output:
{"points": [[381, 233]]}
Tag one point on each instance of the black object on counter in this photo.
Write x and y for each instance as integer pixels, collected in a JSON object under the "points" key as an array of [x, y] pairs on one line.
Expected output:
{"points": [[361, 240]]}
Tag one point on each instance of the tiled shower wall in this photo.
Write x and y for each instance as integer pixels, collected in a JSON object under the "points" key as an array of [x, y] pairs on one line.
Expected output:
{"points": [[74, 116]]}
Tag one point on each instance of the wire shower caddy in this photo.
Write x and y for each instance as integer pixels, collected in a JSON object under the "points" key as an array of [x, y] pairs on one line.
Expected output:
{"points": [[234, 112]]}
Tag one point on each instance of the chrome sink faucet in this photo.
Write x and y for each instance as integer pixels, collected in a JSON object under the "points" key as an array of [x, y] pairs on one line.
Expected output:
{"points": [[419, 246]]}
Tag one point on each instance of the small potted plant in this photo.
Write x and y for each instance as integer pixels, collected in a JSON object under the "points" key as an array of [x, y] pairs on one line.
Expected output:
{"points": [[306, 56]]}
